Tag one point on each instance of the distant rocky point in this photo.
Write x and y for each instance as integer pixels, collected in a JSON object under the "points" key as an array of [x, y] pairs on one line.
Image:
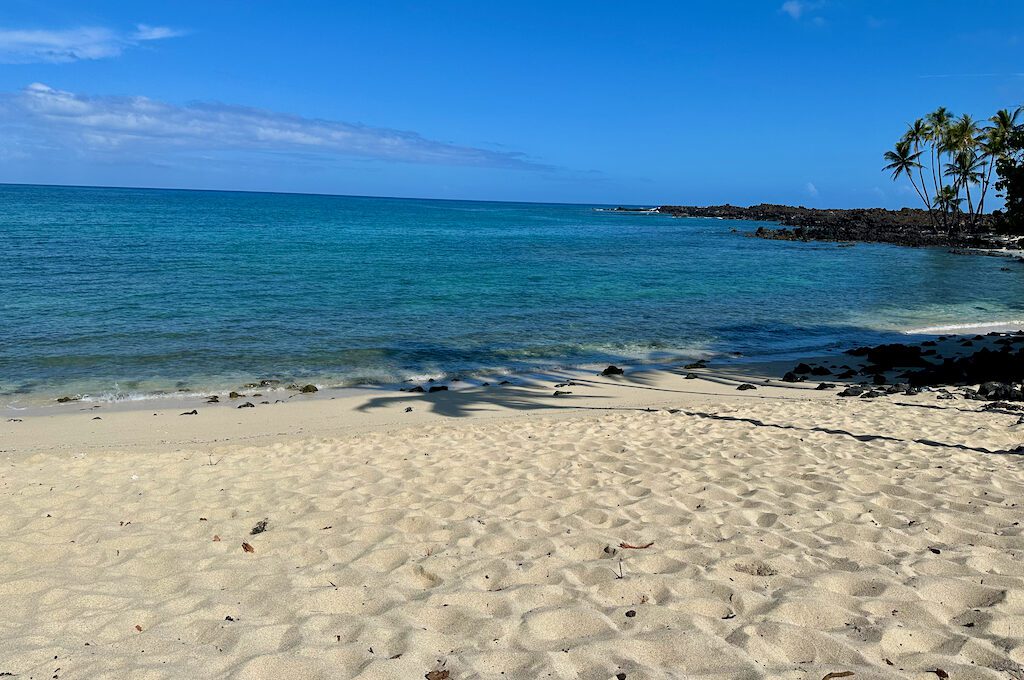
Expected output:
{"points": [[905, 227]]}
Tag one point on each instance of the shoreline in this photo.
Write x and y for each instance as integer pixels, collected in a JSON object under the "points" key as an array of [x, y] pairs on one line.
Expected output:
{"points": [[191, 419], [275, 391]]}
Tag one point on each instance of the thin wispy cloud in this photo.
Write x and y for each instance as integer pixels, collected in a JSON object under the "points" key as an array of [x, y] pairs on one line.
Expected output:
{"points": [[801, 9], [793, 8], [18, 46], [126, 126]]}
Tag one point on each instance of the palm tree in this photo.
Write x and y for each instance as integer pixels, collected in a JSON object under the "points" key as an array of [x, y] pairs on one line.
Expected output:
{"points": [[902, 161], [962, 134], [993, 145], [966, 169], [959, 142], [918, 134], [938, 124], [948, 200]]}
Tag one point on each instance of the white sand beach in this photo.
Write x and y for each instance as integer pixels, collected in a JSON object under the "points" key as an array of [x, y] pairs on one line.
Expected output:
{"points": [[781, 532]]}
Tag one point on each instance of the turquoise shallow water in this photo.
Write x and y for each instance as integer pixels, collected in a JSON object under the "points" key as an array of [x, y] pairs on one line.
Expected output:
{"points": [[128, 292]]}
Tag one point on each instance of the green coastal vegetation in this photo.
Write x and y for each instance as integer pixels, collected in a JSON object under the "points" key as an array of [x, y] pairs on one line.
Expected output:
{"points": [[954, 162]]}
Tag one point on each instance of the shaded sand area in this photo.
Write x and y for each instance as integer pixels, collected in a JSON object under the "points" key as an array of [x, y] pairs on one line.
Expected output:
{"points": [[645, 526]]}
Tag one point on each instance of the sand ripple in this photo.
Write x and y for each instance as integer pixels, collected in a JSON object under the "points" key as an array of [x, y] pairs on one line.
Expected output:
{"points": [[790, 540]]}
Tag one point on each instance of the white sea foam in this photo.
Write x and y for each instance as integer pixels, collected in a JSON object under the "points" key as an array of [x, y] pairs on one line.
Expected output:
{"points": [[1012, 325]]}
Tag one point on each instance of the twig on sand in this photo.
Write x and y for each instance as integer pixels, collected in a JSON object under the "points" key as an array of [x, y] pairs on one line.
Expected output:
{"points": [[619, 575], [629, 546]]}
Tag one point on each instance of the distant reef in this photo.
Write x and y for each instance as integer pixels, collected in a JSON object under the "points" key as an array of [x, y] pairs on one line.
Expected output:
{"points": [[906, 227]]}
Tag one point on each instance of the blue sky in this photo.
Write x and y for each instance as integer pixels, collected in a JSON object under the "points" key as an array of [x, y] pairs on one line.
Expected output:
{"points": [[606, 102]]}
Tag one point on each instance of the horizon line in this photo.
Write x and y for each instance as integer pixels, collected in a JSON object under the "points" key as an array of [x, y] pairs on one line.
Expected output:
{"points": [[314, 193]]}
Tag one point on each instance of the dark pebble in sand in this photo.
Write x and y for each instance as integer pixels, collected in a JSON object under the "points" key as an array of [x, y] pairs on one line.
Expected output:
{"points": [[14, 420], [247, 404], [825, 386], [408, 409], [631, 613], [505, 382], [792, 377], [620, 676], [612, 370], [746, 386], [64, 400], [438, 388], [308, 389], [691, 376], [97, 418], [193, 412], [260, 527], [234, 395], [229, 618], [418, 388], [559, 393]]}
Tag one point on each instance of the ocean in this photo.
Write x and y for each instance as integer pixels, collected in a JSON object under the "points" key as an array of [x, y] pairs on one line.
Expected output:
{"points": [[116, 294]]}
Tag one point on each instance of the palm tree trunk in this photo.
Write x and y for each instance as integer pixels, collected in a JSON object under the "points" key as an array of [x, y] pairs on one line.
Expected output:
{"points": [[970, 206], [927, 198], [936, 159], [920, 195], [985, 184]]}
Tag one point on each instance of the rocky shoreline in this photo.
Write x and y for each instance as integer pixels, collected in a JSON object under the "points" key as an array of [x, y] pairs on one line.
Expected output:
{"points": [[905, 227], [980, 367]]}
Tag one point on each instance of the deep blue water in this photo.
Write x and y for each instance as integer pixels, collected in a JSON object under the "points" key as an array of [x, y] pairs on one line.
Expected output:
{"points": [[133, 291]]}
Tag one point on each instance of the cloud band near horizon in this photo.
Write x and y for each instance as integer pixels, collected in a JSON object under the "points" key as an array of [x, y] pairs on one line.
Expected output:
{"points": [[41, 117]]}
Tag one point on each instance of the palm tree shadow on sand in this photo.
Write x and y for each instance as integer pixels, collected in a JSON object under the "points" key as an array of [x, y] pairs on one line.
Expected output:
{"points": [[524, 395]]}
